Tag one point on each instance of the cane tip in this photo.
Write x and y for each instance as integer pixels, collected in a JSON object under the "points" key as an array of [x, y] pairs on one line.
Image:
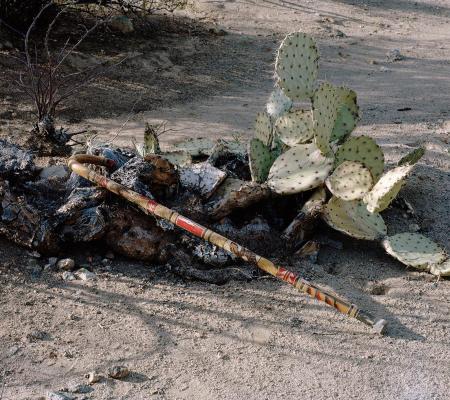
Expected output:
{"points": [[379, 326]]}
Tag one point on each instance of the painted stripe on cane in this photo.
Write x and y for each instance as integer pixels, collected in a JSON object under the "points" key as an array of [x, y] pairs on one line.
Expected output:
{"points": [[287, 276], [190, 226], [151, 205]]}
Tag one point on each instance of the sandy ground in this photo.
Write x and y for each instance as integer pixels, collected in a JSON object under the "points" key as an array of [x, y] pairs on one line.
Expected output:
{"points": [[258, 339]]}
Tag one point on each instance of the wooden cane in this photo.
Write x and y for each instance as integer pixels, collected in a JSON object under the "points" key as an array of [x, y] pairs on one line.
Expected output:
{"points": [[150, 206]]}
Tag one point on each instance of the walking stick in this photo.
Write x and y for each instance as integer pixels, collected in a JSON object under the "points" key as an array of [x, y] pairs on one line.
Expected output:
{"points": [[152, 207]]}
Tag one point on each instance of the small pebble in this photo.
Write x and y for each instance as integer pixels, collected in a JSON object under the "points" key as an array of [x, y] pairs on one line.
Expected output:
{"points": [[93, 377], [118, 372], [68, 276], [66, 264], [37, 335], [394, 55], [85, 275]]}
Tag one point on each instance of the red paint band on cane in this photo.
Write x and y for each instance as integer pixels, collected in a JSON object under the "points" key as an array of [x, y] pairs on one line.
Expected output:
{"points": [[190, 226]]}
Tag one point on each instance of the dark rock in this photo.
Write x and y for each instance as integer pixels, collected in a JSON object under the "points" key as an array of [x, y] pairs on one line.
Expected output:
{"points": [[116, 155], [75, 181], [15, 162], [134, 235], [118, 372], [59, 396], [133, 174], [25, 223], [54, 171], [90, 224]]}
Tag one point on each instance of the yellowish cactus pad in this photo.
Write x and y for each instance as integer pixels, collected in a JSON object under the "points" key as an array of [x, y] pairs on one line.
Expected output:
{"points": [[364, 150], [352, 218], [295, 127], [387, 188], [301, 168], [351, 180], [442, 269], [414, 250]]}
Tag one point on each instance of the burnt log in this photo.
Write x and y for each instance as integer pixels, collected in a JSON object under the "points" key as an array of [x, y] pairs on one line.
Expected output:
{"points": [[233, 194]]}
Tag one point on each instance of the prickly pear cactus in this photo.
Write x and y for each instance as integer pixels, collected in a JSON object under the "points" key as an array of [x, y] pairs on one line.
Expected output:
{"points": [[195, 146], [347, 115], [414, 250], [277, 147], [181, 158], [260, 160], [351, 180], [352, 218], [295, 127], [413, 157], [263, 128], [278, 104], [364, 150], [325, 111], [151, 141], [301, 168], [387, 188], [442, 269], [297, 65]]}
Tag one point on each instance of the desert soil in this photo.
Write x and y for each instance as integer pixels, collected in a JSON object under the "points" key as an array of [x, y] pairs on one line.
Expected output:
{"points": [[257, 339]]}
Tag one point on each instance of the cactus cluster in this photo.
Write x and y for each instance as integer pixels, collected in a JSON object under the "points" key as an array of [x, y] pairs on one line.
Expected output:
{"points": [[299, 149]]}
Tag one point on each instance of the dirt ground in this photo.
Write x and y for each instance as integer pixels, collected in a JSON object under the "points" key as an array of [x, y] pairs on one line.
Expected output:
{"points": [[257, 339]]}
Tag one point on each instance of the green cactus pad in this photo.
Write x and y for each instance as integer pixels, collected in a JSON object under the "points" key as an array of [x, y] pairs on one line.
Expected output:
{"points": [[413, 157], [348, 114], [352, 218], [260, 160], [301, 168], [442, 269], [179, 157], [414, 250], [278, 103], [295, 127], [263, 128], [364, 150], [386, 188], [195, 146], [351, 180], [296, 66], [277, 147], [325, 109]]}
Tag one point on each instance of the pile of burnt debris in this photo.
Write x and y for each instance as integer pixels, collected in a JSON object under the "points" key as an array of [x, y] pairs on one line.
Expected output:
{"points": [[50, 209]]}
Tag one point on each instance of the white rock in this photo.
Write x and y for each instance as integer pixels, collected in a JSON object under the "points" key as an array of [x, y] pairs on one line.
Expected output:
{"points": [[93, 377], [85, 275], [68, 276]]}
